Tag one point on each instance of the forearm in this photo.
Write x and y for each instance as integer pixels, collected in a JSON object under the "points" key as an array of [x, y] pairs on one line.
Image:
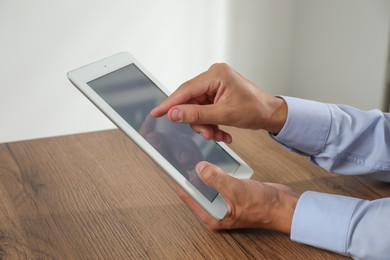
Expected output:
{"points": [[283, 212]]}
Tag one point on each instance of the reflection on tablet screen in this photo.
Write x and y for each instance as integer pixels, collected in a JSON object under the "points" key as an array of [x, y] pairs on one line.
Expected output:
{"points": [[133, 95]]}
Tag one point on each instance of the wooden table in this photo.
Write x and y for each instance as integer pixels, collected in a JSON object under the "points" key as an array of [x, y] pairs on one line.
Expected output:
{"points": [[98, 196]]}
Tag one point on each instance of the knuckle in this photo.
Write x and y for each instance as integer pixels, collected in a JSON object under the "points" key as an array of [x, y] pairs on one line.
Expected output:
{"points": [[186, 84], [192, 116], [213, 226], [221, 72], [220, 66]]}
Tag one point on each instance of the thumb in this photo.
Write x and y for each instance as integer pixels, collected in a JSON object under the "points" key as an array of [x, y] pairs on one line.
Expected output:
{"points": [[196, 114], [213, 176]]}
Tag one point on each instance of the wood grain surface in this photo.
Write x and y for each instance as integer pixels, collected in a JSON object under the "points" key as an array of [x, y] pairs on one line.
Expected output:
{"points": [[98, 196]]}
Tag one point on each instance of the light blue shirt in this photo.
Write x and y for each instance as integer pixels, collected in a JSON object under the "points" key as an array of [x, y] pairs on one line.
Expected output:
{"points": [[348, 141]]}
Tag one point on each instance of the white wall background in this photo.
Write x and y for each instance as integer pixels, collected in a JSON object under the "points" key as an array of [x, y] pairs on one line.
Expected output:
{"points": [[340, 51], [333, 50], [259, 40], [41, 40]]}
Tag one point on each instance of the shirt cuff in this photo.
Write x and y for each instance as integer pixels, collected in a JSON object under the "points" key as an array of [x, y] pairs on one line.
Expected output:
{"points": [[323, 220], [307, 126]]}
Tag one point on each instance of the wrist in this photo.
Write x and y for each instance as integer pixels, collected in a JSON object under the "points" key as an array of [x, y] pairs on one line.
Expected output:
{"points": [[284, 211], [278, 115]]}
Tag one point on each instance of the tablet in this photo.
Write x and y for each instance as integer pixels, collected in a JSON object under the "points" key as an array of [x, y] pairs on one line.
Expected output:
{"points": [[126, 93]]}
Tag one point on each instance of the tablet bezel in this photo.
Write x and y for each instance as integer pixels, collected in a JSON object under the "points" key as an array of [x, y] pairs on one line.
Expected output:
{"points": [[80, 78]]}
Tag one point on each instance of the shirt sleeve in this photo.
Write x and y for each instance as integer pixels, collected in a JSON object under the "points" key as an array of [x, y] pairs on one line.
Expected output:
{"points": [[348, 141], [345, 225], [339, 138]]}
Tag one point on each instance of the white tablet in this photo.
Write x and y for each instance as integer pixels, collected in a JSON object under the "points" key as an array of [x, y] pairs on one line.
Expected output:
{"points": [[126, 93]]}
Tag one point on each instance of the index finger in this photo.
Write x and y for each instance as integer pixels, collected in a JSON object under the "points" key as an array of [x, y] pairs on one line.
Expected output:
{"points": [[188, 91], [147, 126]]}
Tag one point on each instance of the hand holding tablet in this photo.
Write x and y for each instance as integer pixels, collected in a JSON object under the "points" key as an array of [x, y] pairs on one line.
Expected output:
{"points": [[122, 89]]}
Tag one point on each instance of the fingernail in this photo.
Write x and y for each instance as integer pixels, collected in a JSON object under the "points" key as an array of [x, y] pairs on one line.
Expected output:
{"points": [[203, 174], [176, 114], [228, 139], [199, 167]]}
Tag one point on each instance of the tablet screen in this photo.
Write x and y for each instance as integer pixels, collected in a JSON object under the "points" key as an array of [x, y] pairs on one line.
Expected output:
{"points": [[133, 95]]}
